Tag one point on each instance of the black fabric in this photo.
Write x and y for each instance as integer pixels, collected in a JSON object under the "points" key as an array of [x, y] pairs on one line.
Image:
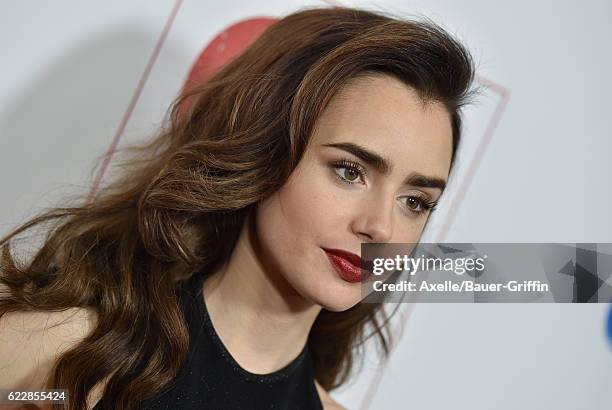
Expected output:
{"points": [[211, 379]]}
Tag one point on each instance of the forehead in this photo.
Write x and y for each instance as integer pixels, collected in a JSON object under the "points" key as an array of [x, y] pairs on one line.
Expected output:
{"points": [[387, 116]]}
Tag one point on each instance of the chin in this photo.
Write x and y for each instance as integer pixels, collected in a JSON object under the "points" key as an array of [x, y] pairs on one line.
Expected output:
{"points": [[338, 300], [325, 288], [336, 308]]}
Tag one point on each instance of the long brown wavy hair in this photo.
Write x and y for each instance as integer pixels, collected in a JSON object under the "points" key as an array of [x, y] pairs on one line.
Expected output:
{"points": [[179, 201]]}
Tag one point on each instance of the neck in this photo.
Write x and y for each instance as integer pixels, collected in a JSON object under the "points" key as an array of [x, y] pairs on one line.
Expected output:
{"points": [[262, 321]]}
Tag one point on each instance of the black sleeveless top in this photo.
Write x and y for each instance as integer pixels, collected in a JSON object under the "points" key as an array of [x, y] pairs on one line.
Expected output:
{"points": [[210, 378]]}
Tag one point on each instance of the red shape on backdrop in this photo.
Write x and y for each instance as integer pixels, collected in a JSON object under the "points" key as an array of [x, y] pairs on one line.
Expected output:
{"points": [[226, 45]]}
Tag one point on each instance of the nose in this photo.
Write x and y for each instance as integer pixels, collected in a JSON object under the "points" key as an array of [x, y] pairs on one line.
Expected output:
{"points": [[374, 222]]}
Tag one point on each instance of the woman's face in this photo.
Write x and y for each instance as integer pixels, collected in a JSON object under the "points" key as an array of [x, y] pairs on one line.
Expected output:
{"points": [[339, 197]]}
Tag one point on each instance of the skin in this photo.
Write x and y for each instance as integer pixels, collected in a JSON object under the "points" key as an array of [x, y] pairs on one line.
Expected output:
{"points": [[265, 324]]}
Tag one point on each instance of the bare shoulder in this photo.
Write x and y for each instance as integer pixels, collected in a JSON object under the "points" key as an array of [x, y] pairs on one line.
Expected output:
{"points": [[328, 402], [31, 342]]}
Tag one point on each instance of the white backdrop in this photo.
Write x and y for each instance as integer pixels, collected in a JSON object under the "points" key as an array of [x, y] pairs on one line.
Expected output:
{"points": [[70, 70]]}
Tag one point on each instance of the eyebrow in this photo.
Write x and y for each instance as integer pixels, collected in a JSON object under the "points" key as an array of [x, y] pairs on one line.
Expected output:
{"points": [[382, 165]]}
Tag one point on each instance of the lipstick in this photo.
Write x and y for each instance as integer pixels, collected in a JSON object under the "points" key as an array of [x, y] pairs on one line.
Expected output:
{"points": [[346, 264]]}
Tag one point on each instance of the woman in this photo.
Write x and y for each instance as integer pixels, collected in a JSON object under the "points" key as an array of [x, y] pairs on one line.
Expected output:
{"points": [[213, 272]]}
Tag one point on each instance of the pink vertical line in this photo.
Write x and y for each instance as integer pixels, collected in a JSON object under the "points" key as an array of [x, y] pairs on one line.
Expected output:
{"points": [[480, 151], [135, 96]]}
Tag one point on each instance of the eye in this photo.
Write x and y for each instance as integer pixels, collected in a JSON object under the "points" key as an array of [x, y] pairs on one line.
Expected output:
{"points": [[349, 171], [350, 174], [419, 204]]}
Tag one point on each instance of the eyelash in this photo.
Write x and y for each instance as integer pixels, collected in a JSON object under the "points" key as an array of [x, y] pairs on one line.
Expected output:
{"points": [[352, 165], [424, 204]]}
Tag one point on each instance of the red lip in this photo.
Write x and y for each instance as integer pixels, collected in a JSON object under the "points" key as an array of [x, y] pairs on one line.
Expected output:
{"points": [[347, 264]]}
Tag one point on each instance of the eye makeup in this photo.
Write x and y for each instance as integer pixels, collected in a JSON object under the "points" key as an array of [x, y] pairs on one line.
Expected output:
{"points": [[349, 167]]}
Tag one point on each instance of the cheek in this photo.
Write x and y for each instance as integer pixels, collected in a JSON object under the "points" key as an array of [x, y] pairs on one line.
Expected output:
{"points": [[305, 203], [412, 233], [303, 211]]}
